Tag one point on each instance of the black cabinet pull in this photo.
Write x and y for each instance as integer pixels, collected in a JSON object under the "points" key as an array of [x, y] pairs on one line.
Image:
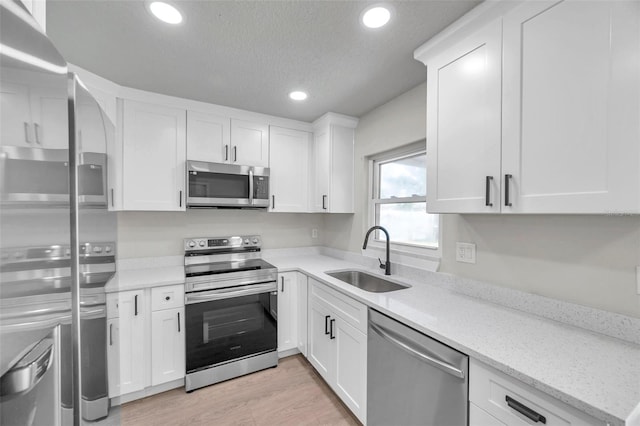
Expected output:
{"points": [[273, 201], [525, 411], [135, 305], [111, 334], [282, 284], [112, 202], [507, 201], [487, 192], [235, 154], [167, 298], [226, 152], [180, 199], [326, 324], [178, 322], [331, 335], [324, 199]]}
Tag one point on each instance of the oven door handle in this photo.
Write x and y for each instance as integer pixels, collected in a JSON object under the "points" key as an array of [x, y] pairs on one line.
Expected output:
{"points": [[228, 293]]}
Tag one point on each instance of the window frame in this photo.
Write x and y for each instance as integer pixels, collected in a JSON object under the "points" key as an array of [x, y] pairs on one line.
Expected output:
{"points": [[374, 161]]}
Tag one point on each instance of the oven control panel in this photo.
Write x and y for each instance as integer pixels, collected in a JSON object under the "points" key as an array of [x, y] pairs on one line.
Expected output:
{"points": [[213, 243]]}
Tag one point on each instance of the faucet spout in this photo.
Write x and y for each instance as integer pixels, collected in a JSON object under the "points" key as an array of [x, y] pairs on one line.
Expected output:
{"points": [[386, 266]]}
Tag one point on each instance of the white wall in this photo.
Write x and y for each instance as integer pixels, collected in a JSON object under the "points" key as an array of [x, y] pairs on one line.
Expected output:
{"points": [[589, 260], [146, 234]]}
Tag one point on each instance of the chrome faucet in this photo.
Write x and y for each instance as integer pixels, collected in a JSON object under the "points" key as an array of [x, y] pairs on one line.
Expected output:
{"points": [[386, 266]]}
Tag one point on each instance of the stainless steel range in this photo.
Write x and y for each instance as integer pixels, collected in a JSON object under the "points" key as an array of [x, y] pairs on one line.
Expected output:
{"points": [[231, 309]]}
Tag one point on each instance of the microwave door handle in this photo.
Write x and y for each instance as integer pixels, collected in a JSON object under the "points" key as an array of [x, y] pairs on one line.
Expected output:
{"points": [[251, 186]]}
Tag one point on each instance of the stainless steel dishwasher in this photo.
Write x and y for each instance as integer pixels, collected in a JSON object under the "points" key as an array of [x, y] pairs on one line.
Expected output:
{"points": [[413, 379]]}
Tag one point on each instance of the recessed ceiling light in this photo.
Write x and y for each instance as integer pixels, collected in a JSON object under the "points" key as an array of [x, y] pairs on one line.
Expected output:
{"points": [[376, 16], [298, 95], [165, 12]]}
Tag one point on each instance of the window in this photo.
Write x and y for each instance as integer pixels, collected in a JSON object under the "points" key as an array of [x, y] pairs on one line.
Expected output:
{"points": [[399, 199]]}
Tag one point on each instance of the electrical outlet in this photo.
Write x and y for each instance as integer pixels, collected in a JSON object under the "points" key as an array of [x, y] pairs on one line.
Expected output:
{"points": [[314, 233], [465, 252]]}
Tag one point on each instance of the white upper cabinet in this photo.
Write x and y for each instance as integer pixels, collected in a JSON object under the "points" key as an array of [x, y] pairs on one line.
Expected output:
{"points": [[333, 165], [463, 131], [208, 137], [289, 155], [37, 116], [249, 144], [154, 151], [571, 107], [549, 126]]}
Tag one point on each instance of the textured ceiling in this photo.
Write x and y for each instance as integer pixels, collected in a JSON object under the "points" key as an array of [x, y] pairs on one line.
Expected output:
{"points": [[251, 54]]}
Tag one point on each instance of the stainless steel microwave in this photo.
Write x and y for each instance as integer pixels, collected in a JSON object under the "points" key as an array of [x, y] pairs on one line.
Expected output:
{"points": [[38, 176], [217, 185]]}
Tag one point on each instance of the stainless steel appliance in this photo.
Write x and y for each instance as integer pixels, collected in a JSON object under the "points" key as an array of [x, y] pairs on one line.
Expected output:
{"points": [[231, 320], [227, 186], [413, 379], [19, 166], [53, 175], [35, 292]]}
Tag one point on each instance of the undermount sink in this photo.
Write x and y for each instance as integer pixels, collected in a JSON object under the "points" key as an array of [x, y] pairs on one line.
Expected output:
{"points": [[366, 281]]}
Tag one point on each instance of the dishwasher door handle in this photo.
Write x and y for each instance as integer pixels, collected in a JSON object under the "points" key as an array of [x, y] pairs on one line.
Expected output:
{"points": [[447, 368]]}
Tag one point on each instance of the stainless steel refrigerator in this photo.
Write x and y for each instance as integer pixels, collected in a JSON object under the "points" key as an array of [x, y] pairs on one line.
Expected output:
{"points": [[57, 236]]}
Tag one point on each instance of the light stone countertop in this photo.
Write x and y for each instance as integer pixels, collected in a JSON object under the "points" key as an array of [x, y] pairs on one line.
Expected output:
{"points": [[596, 374]]}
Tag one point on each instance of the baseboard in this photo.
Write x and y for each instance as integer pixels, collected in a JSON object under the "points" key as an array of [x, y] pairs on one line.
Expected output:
{"points": [[288, 352], [151, 390]]}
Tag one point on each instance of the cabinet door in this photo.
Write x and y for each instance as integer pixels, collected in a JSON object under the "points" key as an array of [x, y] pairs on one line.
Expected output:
{"points": [[287, 311], [463, 131], [167, 346], [208, 137], [131, 339], [302, 313], [249, 143], [321, 350], [322, 170], [351, 367], [289, 163], [113, 356], [571, 107], [15, 111], [341, 179], [90, 125], [154, 157], [49, 111]]}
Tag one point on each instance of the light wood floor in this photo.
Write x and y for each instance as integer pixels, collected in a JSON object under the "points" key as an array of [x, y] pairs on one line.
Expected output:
{"points": [[291, 394]]}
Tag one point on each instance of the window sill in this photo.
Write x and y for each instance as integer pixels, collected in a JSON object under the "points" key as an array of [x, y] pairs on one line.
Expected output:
{"points": [[417, 257]]}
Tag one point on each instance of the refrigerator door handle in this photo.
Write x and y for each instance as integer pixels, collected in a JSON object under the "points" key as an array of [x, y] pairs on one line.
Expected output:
{"points": [[27, 372]]}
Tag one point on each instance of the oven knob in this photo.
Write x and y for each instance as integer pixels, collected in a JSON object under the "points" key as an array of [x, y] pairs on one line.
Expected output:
{"points": [[201, 243], [255, 241], [97, 249], [107, 249], [246, 241], [191, 244]]}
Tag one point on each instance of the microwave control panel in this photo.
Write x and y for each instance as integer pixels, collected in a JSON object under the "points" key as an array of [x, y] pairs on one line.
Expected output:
{"points": [[261, 187]]}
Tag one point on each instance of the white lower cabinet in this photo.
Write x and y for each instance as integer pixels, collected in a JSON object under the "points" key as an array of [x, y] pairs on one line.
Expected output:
{"points": [[287, 311], [338, 344], [127, 349], [497, 399], [302, 313], [167, 346], [145, 332]]}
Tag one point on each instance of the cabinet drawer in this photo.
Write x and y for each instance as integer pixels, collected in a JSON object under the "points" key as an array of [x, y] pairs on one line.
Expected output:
{"points": [[491, 390], [167, 297], [350, 310]]}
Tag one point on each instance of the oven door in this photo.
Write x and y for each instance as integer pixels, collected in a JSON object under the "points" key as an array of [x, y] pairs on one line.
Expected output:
{"points": [[229, 324]]}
